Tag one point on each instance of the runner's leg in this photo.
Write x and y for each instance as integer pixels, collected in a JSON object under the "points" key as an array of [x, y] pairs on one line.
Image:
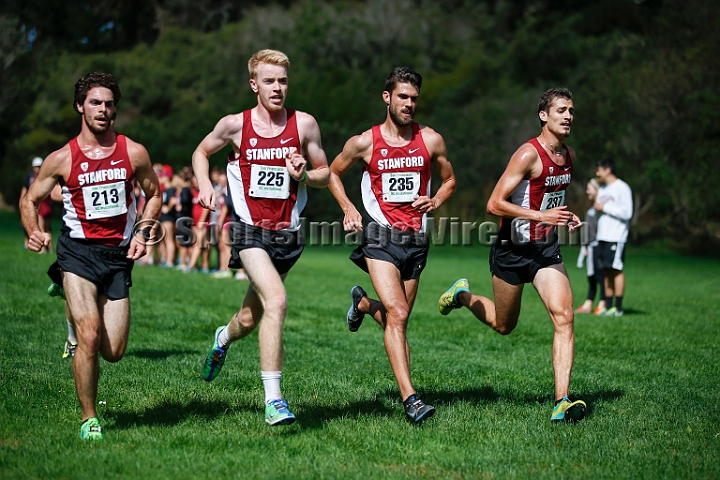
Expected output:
{"points": [[553, 286], [394, 294]]}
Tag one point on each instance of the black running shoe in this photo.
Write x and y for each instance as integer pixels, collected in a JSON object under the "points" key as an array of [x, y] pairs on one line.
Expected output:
{"points": [[354, 316], [416, 410]]}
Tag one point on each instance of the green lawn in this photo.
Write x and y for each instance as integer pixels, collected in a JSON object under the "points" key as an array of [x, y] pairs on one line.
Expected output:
{"points": [[650, 380]]}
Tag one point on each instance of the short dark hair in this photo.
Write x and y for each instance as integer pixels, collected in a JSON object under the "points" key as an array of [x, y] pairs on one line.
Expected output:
{"points": [[92, 80], [402, 75], [607, 162], [549, 96]]}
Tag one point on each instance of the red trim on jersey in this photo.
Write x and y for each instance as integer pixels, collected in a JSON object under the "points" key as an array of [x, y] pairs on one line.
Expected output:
{"points": [[389, 159], [268, 213], [553, 178], [110, 231]]}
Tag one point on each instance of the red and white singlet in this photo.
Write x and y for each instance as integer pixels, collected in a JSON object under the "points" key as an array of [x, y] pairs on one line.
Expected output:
{"points": [[392, 180], [543, 193], [262, 192], [99, 197]]}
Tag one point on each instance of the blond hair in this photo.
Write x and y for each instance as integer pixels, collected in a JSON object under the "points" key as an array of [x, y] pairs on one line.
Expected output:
{"points": [[273, 57]]}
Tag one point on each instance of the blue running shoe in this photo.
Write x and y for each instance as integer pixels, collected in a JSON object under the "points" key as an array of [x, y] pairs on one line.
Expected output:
{"points": [[215, 359], [568, 411], [277, 413], [354, 316]]}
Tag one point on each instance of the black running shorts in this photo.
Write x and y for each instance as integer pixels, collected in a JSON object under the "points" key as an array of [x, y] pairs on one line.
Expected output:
{"points": [[610, 255], [106, 267], [284, 247], [518, 263], [408, 251]]}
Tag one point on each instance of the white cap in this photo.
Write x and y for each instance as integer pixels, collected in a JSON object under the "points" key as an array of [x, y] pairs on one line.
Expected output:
{"points": [[37, 161]]}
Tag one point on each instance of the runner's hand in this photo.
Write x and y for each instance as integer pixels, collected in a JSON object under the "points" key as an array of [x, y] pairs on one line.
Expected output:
{"points": [[38, 240], [295, 164], [352, 221], [559, 216], [206, 198], [425, 204], [136, 250], [574, 224]]}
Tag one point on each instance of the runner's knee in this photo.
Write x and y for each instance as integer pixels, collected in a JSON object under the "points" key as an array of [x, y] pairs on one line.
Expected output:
{"points": [[562, 317], [245, 319], [88, 337], [397, 315], [275, 306], [505, 329], [114, 353]]}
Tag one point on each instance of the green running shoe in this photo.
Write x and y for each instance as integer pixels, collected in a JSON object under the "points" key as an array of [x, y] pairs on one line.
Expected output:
{"points": [[448, 300], [91, 429], [69, 350], [568, 411], [277, 413], [215, 359], [611, 312], [55, 290]]}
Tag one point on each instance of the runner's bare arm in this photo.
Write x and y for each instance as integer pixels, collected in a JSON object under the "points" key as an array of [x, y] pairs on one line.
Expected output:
{"points": [[56, 194], [228, 129], [55, 167], [524, 164], [148, 182], [309, 131], [438, 154], [356, 149]]}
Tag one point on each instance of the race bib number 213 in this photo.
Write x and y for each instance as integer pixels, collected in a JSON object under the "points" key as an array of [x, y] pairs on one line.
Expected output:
{"points": [[103, 201]]}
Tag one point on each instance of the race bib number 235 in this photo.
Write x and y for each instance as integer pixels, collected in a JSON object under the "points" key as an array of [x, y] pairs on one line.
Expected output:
{"points": [[400, 187]]}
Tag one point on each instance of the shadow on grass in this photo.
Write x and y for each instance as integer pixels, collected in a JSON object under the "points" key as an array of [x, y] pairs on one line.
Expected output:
{"points": [[159, 354], [488, 394], [167, 414], [316, 416]]}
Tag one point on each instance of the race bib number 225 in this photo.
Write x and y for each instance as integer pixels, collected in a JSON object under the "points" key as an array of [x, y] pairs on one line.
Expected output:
{"points": [[267, 181]]}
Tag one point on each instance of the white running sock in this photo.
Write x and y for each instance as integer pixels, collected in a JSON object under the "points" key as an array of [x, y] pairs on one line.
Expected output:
{"points": [[224, 337], [271, 382], [72, 338]]}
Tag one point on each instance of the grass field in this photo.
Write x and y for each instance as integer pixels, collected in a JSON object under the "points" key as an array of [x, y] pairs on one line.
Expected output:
{"points": [[650, 379]]}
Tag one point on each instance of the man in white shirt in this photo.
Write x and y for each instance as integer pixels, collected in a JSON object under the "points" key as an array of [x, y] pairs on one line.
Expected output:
{"points": [[614, 203]]}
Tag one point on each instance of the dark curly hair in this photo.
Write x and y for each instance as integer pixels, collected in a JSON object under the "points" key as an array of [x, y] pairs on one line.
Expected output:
{"points": [[403, 75], [549, 96], [92, 80]]}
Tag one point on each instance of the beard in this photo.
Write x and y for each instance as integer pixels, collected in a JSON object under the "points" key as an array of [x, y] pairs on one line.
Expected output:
{"points": [[397, 119], [272, 107], [97, 129]]}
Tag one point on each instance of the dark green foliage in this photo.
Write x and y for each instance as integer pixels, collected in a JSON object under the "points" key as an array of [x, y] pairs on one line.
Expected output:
{"points": [[644, 75]]}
